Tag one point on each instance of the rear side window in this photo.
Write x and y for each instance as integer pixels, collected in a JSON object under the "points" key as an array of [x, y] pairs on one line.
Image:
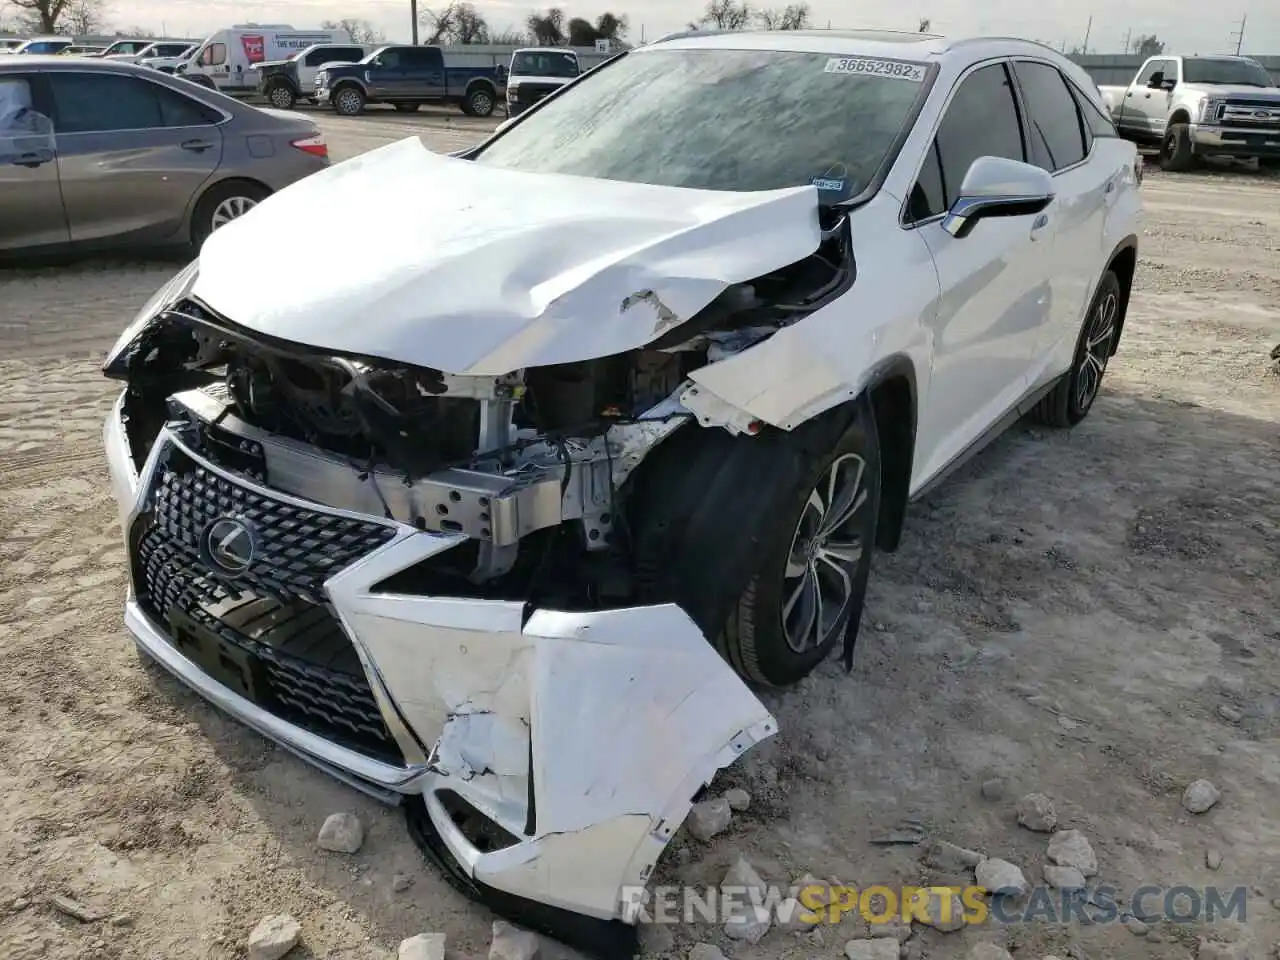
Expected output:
{"points": [[214, 55], [1053, 117], [317, 57], [179, 111], [97, 103], [348, 54], [422, 59], [1096, 123]]}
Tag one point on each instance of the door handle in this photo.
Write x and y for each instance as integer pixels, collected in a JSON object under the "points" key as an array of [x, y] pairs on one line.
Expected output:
{"points": [[1040, 223], [34, 159], [1129, 94], [196, 146], [1147, 97]]}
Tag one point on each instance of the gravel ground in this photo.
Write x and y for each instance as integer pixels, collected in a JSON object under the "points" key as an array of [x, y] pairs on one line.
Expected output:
{"points": [[1089, 614]]}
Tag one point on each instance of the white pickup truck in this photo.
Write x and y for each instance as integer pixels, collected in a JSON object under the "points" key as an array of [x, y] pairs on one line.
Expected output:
{"points": [[1200, 106]]}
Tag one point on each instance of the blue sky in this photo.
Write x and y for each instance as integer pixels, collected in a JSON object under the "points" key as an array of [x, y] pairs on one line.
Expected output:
{"points": [[1189, 26]]}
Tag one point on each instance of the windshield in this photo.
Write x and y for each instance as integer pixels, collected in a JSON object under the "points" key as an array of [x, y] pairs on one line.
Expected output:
{"points": [[540, 64], [1209, 70], [722, 120]]}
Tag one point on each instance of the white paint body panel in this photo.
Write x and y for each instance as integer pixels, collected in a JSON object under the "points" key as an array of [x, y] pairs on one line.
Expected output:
{"points": [[484, 271]]}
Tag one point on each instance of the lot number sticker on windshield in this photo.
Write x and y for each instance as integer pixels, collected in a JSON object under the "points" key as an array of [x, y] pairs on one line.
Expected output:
{"points": [[893, 69]]}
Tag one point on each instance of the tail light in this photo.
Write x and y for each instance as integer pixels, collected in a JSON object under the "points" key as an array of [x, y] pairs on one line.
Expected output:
{"points": [[314, 145]]}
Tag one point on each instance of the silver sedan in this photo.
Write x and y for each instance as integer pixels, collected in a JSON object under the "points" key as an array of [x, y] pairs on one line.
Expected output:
{"points": [[95, 153]]}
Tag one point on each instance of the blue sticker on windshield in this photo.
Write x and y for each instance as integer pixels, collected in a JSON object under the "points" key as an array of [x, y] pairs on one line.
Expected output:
{"points": [[824, 183]]}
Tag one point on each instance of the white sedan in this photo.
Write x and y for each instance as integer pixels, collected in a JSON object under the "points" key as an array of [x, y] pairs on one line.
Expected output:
{"points": [[497, 511]]}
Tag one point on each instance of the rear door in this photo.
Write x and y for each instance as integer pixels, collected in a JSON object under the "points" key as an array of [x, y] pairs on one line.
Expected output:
{"points": [[425, 77], [131, 154], [31, 211]]}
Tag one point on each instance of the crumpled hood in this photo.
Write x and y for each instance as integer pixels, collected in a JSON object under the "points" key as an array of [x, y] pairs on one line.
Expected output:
{"points": [[430, 260]]}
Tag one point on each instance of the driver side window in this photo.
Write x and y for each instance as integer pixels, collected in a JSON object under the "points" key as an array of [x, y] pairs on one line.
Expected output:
{"points": [[980, 121]]}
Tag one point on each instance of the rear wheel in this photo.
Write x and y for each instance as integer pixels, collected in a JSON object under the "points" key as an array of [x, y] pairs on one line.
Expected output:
{"points": [[223, 203], [1175, 151], [479, 102], [1072, 398], [348, 101], [281, 96]]}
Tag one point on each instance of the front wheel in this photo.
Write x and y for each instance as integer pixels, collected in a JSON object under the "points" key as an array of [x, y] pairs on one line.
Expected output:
{"points": [[1176, 155], [348, 101], [1070, 401]]}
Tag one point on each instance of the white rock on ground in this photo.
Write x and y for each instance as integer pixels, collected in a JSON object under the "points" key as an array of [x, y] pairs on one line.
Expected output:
{"points": [[1213, 859], [879, 948], [738, 798], [422, 946], [1200, 795], [341, 833], [1070, 848], [988, 951], [950, 857], [748, 922], [1036, 812], [993, 789], [892, 929], [708, 817], [1136, 927], [1063, 878], [273, 937], [705, 951], [1000, 876], [512, 943]]}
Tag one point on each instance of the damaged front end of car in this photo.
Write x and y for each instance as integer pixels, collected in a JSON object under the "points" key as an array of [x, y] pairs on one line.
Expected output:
{"points": [[449, 588]]}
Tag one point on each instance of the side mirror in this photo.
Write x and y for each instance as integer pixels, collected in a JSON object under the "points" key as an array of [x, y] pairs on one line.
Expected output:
{"points": [[996, 187], [1157, 80]]}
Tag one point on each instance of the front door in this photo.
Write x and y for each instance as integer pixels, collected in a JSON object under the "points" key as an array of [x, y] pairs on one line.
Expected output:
{"points": [[132, 155], [1153, 104], [995, 296], [31, 212]]}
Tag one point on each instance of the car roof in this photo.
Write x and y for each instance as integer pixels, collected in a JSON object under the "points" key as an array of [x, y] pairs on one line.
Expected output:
{"points": [[891, 44], [543, 50]]}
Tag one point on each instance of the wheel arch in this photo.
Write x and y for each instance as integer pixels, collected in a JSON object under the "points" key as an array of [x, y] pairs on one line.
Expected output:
{"points": [[892, 392], [208, 188], [283, 81], [349, 82], [1180, 115], [480, 82], [1123, 262]]}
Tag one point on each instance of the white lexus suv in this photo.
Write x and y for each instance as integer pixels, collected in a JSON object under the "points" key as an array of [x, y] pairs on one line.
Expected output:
{"points": [[501, 512]]}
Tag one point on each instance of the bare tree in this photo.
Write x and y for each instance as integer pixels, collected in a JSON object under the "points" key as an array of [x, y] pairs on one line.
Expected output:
{"points": [[608, 26], [41, 16], [362, 31], [509, 38], [1147, 46], [794, 16], [547, 28], [83, 17], [925, 24], [142, 33], [725, 15], [459, 22]]}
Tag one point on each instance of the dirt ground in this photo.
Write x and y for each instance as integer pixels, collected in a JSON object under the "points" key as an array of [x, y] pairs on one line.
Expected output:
{"points": [[1069, 613]]}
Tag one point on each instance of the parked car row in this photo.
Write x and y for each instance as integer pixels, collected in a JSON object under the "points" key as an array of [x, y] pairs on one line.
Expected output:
{"points": [[97, 152]]}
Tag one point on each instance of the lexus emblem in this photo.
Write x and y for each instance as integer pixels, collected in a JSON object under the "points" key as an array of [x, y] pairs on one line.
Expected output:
{"points": [[230, 545]]}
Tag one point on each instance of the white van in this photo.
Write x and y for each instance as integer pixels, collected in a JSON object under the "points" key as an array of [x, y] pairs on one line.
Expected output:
{"points": [[227, 60], [537, 72]]}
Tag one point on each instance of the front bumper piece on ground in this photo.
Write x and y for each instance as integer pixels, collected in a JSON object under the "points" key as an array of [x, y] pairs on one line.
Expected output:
{"points": [[544, 758]]}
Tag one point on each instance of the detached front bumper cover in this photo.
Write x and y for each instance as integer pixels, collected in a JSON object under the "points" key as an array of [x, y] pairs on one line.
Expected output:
{"points": [[549, 756]]}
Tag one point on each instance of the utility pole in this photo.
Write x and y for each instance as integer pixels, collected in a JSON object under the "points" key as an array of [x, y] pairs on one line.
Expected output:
{"points": [[1087, 30], [1239, 34], [1128, 35], [413, 13]]}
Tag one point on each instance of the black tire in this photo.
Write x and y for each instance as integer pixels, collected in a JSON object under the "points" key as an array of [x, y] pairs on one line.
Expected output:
{"points": [[480, 102], [207, 215], [1072, 398], [1269, 163], [1176, 155], [348, 100], [719, 529], [281, 96], [407, 107]]}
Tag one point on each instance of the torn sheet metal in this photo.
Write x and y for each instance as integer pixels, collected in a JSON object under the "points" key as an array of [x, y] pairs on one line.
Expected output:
{"points": [[481, 271], [584, 736]]}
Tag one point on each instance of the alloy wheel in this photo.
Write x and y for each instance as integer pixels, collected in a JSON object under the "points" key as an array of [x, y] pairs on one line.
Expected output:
{"points": [[481, 105], [229, 209], [1097, 350], [348, 101], [818, 581]]}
